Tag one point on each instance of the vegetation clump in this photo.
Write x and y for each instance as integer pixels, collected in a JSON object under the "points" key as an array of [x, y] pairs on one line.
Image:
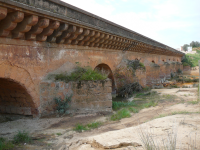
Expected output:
{"points": [[118, 105], [22, 137], [5, 144], [186, 79], [81, 74], [135, 64], [123, 113], [63, 105], [129, 89], [191, 59], [93, 125], [185, 64], [179, 71]]}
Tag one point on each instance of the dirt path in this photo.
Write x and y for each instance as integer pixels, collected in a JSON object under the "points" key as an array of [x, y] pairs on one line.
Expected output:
{"points": [[115, 135]]}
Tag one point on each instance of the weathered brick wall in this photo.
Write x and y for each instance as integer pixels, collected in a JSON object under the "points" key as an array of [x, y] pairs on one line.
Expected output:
{"points": [[141, 76], [28, 63], [167, 71], [173, 67], [87, 96], [153, 74]]}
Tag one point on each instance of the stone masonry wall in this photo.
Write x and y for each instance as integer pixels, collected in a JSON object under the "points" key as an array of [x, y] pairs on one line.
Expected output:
{"points": [[87, 96]]}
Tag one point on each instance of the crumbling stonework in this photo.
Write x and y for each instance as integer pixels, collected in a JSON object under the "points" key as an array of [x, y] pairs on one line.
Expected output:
{"points": [[87, 96]]}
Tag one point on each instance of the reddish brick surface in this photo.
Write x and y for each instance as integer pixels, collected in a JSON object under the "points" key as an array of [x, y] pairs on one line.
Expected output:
{"points": [[28, 70]]}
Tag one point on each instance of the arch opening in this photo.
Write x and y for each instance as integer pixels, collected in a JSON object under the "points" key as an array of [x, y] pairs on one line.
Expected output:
{"points": [[106, 68], [14, 98]]}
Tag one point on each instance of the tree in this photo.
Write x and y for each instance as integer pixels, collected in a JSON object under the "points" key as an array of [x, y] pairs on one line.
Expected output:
{"points": [[195, 44], [185, 47]]}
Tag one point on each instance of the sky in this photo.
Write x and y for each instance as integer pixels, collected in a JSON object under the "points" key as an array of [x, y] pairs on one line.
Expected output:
{"points": [[171, 22]]}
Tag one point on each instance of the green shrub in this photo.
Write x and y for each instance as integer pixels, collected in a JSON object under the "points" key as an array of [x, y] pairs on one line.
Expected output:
{"points": [[193, 102], [179, 71], [179, 80], [141, 65], [172, 75], [187, 80], [118, 105], [150, 104], [140, 94], [93, 125], [128, 89], [22, 137], [63, 105], [123, 113], [59, 134], [195, 80], [80, 128], [147, 88], [82, 74], [5, 145], [133, 110], [185, 64]]}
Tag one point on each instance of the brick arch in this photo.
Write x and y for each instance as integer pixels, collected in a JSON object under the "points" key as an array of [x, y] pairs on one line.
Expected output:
{"points": [[20, 79], [105, 67]]}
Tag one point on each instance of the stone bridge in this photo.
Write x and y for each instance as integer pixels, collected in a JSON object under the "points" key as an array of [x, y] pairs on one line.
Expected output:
{"points": [[41, 37]]}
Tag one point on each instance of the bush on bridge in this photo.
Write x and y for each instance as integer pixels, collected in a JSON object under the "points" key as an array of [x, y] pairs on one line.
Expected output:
{"points": [[82, 74]]}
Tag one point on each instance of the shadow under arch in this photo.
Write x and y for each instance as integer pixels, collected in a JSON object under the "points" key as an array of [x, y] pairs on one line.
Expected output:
{"points": [[14, 98], [106, 68]]}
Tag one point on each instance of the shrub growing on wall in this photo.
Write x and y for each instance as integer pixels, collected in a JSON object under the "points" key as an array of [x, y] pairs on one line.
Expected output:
{"points": [[82, 74], [63, 105]]}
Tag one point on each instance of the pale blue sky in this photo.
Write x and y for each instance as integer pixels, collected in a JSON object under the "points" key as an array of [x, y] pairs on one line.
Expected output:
{"points": [[171, 22]]}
